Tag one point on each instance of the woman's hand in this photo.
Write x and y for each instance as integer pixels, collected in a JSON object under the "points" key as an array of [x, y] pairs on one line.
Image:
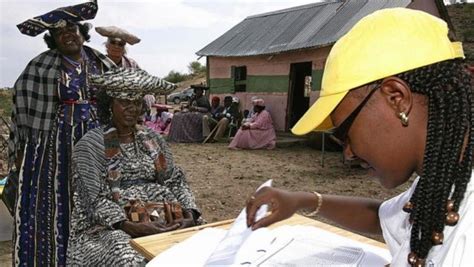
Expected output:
{"points": [[282, 205], [187, 220], [245, 126], [148, 228]]}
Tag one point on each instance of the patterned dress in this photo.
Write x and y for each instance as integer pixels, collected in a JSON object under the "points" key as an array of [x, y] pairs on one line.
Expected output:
{"points": [[43, 208], [94, 241], [260, 135], [187, 127]]}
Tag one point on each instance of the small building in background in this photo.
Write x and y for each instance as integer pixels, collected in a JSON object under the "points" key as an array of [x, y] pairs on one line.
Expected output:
{"points": [[280, 55]]}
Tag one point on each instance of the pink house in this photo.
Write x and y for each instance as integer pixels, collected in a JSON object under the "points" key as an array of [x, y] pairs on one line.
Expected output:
{"points": [[281, 55]]}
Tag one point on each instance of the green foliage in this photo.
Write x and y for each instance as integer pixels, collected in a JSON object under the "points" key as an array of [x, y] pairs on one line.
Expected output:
{"points": [[176, 77], [196, 68], [462, 18], [5, 102]]}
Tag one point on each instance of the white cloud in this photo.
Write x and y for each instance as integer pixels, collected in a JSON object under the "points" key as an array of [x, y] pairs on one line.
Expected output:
{"points": [[154, 15]]}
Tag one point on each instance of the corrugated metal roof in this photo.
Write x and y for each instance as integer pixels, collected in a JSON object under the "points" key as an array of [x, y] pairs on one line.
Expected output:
{"points": [[301, 27]]}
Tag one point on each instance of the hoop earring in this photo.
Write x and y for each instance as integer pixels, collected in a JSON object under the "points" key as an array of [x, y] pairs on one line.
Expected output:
{"points": [[403, 118]]}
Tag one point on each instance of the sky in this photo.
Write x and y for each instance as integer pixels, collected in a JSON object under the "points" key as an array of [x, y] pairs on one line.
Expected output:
{"points": [[171, 31]]}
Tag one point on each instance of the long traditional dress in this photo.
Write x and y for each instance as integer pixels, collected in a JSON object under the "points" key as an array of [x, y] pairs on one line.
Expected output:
{"points": [[94, 241], [260, 135], [187, 127], [54, 108]]}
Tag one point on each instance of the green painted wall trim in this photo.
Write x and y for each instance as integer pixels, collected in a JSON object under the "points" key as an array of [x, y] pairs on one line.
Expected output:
{"points": [[254, 84], [218, 86], [317, 77], [267, 83]]}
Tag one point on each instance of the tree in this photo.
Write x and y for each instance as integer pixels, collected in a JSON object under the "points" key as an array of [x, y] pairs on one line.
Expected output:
{"points": [[175, 77], [196, 68]]}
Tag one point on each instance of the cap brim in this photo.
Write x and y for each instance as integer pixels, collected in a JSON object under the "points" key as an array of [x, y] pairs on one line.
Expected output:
{"points": [[317, 117]]}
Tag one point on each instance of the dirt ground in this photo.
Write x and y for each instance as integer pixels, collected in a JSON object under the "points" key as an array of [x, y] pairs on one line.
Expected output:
{"points": [[223, 179]]}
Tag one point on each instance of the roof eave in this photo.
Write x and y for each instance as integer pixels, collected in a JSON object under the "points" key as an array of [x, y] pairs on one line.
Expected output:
{"points": [[267, 54]]}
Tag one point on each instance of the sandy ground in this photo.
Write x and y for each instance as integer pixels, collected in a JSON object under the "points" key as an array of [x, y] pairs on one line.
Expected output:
{"points": [[223, 179]]}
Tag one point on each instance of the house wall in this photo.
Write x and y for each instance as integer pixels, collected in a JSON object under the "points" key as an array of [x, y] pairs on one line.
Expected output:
{"points": [[268, 77]]}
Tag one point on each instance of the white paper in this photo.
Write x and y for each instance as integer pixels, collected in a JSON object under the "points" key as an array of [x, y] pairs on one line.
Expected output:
{"points": [[310, 246], [283, 246], [210, 247], [237, 234], [194, 251]]}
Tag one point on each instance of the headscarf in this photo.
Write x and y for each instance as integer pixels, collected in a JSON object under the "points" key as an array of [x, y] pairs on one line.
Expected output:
{"points": [[258, 102], [215, 99]]}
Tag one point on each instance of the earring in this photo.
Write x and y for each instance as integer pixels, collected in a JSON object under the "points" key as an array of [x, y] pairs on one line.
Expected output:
{"points": [[403, 118]]}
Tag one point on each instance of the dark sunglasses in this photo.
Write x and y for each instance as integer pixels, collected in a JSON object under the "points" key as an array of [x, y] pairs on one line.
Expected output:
{"points": [[121, 44], [339, 134]]}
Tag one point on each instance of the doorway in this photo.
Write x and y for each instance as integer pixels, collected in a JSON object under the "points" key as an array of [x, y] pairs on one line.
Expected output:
{"points": [[298, 100]]}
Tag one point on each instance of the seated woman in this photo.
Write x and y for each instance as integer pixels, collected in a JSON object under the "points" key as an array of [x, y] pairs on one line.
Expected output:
{"points": [[118, 164], [161, 121], [258, 132], [187, 125]]}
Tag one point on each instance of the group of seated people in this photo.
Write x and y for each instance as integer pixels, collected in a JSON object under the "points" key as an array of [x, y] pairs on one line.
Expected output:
{"points": [[201, 121], [89, 177]]}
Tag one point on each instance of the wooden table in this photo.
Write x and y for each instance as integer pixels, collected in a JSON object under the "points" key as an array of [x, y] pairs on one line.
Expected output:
{"points": [[150, 246]]}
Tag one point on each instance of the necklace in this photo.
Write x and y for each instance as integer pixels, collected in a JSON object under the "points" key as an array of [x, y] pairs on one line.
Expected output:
{"points": [[76, 64]]}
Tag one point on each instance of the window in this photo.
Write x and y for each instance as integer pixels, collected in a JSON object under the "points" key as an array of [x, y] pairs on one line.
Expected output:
{"points": [[239, 75]]}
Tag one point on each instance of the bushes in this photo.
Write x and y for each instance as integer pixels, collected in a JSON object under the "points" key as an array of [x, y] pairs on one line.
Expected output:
{"points": [[195, 69]]}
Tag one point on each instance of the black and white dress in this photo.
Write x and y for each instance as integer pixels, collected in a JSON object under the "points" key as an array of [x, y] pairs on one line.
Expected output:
{"points": [[93, 240]]}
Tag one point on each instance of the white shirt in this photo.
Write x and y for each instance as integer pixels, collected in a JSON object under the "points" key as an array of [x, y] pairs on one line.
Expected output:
{"points": [[458, 245]]}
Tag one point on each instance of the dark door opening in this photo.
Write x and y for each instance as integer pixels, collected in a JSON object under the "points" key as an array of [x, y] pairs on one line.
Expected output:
{"points": [[298, 102]]}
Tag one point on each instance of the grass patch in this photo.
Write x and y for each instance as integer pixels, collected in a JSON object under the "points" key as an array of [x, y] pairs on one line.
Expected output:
{"points": [[5, 103]]}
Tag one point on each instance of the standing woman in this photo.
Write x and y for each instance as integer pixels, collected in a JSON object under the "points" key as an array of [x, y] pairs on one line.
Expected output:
{"points": [[400, 98], [117, 39], [54, 106]]}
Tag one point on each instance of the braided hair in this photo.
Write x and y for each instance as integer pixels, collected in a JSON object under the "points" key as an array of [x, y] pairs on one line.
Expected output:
{"points": [[447, 163]]}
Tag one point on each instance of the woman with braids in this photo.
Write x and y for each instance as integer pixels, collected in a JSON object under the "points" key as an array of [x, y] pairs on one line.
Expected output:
{"points": [[399, 99], [53, 107]]}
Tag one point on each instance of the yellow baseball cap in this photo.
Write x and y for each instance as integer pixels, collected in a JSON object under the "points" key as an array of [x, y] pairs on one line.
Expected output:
{"points": [[382, 44]]}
